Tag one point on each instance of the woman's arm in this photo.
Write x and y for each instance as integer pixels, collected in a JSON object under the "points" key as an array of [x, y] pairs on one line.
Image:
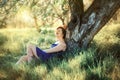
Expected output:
{"points": [[59, 47]]}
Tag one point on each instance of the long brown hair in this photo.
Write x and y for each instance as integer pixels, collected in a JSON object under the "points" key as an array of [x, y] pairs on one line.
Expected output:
{"points": [[63, 31]]}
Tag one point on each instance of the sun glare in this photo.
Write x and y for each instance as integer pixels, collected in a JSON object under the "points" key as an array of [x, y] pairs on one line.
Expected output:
{"points": [[24, 18]]}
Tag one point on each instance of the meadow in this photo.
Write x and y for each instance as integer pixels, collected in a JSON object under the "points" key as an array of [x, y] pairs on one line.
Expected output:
{"points": [[100, 62]]}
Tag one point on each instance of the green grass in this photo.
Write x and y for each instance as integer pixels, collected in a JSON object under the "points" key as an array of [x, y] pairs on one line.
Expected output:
{"points": [[99, 62]]}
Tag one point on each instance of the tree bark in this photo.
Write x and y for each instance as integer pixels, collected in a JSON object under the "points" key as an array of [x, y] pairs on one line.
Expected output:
{"points": [[83, 26]]}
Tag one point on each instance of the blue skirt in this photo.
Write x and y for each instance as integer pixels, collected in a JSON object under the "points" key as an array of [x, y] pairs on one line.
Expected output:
{"points": [[42, 54]]}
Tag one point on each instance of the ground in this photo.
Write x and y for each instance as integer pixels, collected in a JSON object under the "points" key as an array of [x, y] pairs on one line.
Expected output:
{"points": [[100, 61]]}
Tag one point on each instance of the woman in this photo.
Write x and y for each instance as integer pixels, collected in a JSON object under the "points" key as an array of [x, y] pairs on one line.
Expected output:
{"points": [[58, 46]]}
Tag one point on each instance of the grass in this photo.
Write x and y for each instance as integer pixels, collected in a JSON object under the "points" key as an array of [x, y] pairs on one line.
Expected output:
{"points": [[99, 62]]}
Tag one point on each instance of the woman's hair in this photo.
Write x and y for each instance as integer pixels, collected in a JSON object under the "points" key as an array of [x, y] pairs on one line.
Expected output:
{"points": [[63, 31]]}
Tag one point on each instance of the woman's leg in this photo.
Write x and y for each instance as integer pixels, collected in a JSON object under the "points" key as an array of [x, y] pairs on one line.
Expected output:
{"points": [[22, 59], [31, 51]]}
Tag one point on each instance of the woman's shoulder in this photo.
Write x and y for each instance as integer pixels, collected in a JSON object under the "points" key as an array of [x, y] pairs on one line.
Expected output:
{"points": [[60, 43], [63, 44]]}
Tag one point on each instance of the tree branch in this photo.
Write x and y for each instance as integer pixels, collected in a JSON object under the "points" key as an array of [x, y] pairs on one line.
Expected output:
{"points": [[97, 16], [59, 16]]}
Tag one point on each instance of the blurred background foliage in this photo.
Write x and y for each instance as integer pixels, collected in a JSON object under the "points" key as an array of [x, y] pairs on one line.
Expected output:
{"points": [[36, 13], [33, 13]]}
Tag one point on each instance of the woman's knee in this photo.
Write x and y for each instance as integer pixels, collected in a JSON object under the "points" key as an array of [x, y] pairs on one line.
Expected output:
{"points": [[30, 46]]}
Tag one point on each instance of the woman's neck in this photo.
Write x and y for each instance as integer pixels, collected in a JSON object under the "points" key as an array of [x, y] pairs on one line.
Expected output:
{"points": [[60, 39]]}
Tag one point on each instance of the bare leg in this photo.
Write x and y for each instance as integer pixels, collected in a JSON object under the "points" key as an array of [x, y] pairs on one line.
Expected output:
{"points": [[31, 51], [22, 59]]}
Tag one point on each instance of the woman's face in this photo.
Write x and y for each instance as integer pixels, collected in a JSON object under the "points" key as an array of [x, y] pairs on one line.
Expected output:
{"points": [[59, 33]]}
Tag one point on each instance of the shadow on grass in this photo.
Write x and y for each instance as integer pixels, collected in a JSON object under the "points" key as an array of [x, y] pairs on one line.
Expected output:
{"points": [[5, 62], [94, 76], [3, 39], [16, 72]]}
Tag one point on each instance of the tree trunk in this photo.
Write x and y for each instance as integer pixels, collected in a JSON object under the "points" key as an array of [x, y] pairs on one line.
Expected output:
{"points": [[83, 26]]}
